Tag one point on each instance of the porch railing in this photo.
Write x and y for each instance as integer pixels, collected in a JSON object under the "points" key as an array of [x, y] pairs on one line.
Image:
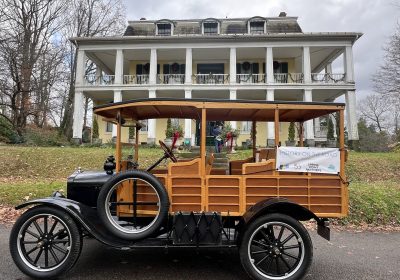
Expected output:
{"points": [[328, 78], [250, 78], [211, 78], [103, 80], [136, 79], [171, 79], [289, 78]]}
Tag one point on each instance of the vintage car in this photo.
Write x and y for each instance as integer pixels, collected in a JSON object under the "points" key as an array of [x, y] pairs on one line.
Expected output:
{"points": [[256, 206]]}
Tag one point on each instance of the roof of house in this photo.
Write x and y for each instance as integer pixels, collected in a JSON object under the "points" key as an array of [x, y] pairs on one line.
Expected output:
{"points": [[280, 24]]}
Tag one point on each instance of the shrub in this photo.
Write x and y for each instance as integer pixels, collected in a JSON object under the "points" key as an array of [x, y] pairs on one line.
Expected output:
{"points": [[291, 133], [330, 128], [95, 131], [43, 137], [8, 133]]}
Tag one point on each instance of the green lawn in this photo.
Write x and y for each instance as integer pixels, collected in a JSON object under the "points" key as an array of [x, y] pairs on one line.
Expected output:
{"points": [[31, 172]]}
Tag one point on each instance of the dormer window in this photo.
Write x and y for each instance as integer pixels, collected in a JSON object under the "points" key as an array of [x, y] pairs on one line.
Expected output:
{"points": [[257, 27], [210, 28], [164, 29]]}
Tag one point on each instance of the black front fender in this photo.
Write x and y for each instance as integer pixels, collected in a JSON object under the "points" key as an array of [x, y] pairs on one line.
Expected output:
{"points": [[82, 214]]}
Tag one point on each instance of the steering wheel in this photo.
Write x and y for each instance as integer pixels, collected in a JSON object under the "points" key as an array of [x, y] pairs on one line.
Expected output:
{"points": [[168, 151]]}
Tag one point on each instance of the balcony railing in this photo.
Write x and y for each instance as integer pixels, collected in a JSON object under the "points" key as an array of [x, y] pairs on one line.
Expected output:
{"points": [[250, 78], [179, 79], [171, 79], [103, 80], [289, 78], [211, 78], [328, 78], [136, 79]]}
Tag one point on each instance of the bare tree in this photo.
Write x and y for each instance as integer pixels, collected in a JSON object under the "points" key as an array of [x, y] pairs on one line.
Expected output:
{"points": [[28, 27], [387, 78], [376, 109], [88, 18]]}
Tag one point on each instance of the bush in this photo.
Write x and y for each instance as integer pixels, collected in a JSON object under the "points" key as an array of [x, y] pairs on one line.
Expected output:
{"points": [[291, 134], [330, 134], [43, 137], [95, 132], [7, 132], [370, 140]]}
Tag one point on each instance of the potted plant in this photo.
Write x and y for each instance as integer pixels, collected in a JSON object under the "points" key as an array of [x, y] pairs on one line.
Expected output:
{"points": [[131, 134], [330, 138], [171, 131], [291, 135], [95, 132]]}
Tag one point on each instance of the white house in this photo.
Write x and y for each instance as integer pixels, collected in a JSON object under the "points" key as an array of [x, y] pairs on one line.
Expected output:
{"points": [[257, 58]]}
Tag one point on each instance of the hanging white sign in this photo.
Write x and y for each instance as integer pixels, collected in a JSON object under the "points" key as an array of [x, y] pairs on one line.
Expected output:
{"points": [[303, 159]]}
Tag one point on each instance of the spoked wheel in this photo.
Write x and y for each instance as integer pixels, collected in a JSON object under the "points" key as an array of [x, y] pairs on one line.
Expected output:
{"points": [[276, 246], [133, 205], [45, 242]]}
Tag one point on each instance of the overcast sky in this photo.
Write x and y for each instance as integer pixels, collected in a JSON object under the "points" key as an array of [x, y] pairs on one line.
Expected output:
{"points": [[377, 19]]}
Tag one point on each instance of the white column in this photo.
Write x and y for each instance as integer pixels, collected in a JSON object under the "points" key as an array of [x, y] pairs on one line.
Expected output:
{"points": [[269, 65], [99, 73], [151, 125], [153, 67], [270, 125], [308, 125], [188, 66], [232, 65], [328, 68], [188, 122], [117, 98], [306, 65], [348, 64], [119, 67], [351, 115], [334, 125], [78, 116], [232, 96], [80, 68]]}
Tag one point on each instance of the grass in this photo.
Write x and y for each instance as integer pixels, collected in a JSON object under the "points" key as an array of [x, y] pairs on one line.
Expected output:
{"points": [[32, 172]]}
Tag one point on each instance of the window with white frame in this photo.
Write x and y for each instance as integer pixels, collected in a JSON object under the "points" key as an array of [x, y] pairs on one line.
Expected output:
{"points": [[246, 126], [210, 28], [109, 127], [257, 27], [144, 124], [164, 29], [175, 122]]}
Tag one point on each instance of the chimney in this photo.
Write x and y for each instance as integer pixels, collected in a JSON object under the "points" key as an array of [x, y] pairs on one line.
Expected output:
{"points": [[143, 18], [282, 14]]}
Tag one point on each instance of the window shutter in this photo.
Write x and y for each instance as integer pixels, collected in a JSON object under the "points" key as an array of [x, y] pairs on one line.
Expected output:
{"points": [[284, 67], [165, 69], [182, 68], [264, 68], [238, 68], [139, 69], [255, 68], [158, 68]]}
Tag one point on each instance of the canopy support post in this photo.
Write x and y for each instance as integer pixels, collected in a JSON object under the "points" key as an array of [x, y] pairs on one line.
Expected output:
{"points": [[254, 138], [118, 144], [276, 120], [137, 144], [301, 134], [341, 142], [203, 141]]}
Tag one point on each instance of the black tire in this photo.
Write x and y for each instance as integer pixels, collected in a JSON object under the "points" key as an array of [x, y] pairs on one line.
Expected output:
{"points": [[55, 261], [264, 253], [109, 222]]}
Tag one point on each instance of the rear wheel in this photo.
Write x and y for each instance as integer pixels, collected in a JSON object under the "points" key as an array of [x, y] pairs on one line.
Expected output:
{"points": [[45, 242], [276, 246]]}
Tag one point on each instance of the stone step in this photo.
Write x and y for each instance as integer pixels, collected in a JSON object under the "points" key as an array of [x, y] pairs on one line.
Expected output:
{"points": [[220, 165], [221, 160]]}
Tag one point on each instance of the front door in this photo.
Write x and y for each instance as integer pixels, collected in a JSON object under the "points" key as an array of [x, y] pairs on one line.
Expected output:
{"points": [[209, 136]]}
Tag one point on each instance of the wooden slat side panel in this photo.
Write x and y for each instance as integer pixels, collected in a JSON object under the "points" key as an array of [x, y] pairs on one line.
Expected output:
{"points": [[186, 194], [223, 194]]}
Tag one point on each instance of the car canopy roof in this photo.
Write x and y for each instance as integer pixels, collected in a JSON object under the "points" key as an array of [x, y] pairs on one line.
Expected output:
{"points": [[217, 109]]}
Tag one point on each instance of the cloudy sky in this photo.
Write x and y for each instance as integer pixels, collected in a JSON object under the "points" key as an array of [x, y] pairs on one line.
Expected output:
{"points": [[377, 19]]}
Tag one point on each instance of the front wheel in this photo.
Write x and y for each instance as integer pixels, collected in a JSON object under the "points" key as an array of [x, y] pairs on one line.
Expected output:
{"points": [[45, 242], [276, 246]]}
